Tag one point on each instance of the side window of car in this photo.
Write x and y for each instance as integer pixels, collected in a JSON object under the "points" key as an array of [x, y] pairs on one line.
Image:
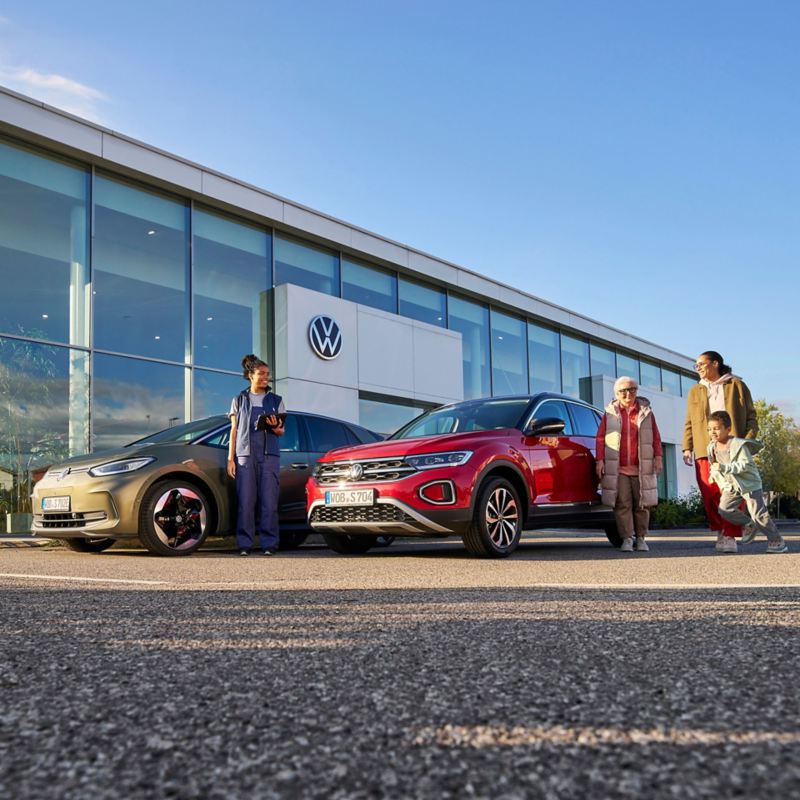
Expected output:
{"points": [[586, 420], [326, 434], [290, 441], [359, 435], [220, 439], [557, 409]]}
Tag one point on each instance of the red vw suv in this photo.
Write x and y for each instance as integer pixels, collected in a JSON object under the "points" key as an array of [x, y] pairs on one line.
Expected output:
{"points": [[482, 469]]}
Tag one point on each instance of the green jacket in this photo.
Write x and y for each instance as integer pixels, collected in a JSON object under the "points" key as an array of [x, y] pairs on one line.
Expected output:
{"points": [[741, 475]]}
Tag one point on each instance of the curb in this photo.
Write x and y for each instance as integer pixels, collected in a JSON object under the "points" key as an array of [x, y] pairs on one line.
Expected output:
{"points": [[23, 541]]}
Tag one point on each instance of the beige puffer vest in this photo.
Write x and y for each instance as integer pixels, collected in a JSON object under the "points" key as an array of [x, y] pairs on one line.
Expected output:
{"points": [[648, 480]]}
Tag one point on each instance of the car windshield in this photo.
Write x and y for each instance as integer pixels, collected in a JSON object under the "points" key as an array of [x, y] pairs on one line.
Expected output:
{"points": [[479, 415], [183, 433]]}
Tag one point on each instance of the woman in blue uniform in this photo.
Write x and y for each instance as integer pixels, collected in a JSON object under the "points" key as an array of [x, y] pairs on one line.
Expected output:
{"points": [[257, 417]]}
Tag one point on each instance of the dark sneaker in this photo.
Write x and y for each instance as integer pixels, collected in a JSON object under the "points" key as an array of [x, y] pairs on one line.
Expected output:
{"points": [[244, 552], [778, 546], [268, 552]]}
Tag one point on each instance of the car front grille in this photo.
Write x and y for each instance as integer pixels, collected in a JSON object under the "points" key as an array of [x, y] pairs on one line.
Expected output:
{"points": [[372, 471], [67, 519], [344, 514]]}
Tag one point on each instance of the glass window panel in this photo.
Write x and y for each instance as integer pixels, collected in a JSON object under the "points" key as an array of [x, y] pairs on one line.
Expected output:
{"points": [[44, 415], [370, 286], [422, 302], [213, 392], [628, 366], [472, 321], [43, 244], [134, 398], [586, 420], [687, 381], [384, 416], [671, 381], [509, 355], [140, 271], [326, 434], [603, 360], [306, 265], [575, 367], [232, 265], [544, 355], [557, 409], [651, 375]]}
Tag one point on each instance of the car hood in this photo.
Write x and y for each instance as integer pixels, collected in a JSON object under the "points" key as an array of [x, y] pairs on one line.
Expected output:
{"points": [[93, 459], [418, 445]]}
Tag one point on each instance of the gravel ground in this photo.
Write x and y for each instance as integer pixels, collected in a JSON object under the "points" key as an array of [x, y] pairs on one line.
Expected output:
{"points": [[316, 687]]}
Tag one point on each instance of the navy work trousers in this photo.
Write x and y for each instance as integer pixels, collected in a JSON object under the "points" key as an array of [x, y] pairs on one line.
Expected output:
{"points": [[257, 488]]}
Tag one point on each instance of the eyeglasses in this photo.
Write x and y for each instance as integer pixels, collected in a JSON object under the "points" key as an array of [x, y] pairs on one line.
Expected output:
{"points": [[627, 390], [701, 364]]}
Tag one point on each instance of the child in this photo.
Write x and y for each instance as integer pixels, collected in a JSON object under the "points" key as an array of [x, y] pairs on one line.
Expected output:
{"points": [[735, 472]]}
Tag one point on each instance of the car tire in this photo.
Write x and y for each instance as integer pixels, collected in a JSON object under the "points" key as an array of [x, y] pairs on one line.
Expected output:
{"points": [[291, 540], [348, 545], [496, 522], [175, 518], [88, 545], [612, 533]]}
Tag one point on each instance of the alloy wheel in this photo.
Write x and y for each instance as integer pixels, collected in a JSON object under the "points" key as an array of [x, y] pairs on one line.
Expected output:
{"points": [[180, 518], [502, 517]]}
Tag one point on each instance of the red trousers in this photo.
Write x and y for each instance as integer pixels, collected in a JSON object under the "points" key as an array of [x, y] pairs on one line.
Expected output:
{"points": [[711, 494]]}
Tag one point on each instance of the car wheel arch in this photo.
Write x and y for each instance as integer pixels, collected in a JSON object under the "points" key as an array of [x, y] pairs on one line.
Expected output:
{"points": [[512, 473]]}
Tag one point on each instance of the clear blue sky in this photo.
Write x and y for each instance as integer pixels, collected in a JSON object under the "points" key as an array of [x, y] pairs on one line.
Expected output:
{"points": [[638, 162]]}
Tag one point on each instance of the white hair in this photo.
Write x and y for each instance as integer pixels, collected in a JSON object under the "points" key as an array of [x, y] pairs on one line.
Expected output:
{"points": [[624, 379]]}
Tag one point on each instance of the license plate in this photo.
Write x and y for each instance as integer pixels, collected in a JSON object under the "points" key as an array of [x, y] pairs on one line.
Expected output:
{"points": [[55, 503], [350, 497]]}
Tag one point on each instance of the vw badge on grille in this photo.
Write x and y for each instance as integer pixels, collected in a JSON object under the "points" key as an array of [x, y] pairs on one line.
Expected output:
{"points": [[356, 471], [325, 337]]}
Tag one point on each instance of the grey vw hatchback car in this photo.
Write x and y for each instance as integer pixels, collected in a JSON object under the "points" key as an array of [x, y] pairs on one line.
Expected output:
{"points": [[171, 489]]}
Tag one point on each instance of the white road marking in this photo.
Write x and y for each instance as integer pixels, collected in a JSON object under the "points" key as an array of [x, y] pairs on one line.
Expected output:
{"points": [[81, 580]]}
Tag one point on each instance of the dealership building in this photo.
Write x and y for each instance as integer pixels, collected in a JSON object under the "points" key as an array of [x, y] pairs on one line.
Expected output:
{"points": [[133, 282]]}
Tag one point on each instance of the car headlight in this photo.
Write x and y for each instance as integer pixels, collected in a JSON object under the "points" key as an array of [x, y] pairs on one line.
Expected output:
{"points": [[433, 460], [118, 467]]}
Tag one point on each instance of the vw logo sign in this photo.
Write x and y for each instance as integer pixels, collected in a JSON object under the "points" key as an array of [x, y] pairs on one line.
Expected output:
{"points": [[356, 472], [325, 337]]}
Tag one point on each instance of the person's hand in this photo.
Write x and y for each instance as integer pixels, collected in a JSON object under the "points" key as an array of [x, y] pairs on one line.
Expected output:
{"points": [[687, 458], [232, 468], [658, 465], [600, 468]]}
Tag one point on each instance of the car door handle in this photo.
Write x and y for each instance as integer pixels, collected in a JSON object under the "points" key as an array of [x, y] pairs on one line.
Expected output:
{"points": [[299, 465]]}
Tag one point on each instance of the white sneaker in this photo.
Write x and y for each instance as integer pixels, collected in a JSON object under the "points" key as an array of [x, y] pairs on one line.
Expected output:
{"points": [[720, 542], [729, 545], [641, 545], [749, 533], [627, 545], [778, 546]]}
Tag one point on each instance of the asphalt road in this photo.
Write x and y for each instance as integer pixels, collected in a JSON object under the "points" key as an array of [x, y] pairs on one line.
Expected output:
{"points": [[567, 671]]}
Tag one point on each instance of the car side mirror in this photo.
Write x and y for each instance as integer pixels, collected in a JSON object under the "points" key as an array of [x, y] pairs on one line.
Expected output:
{"points": [[546, 426]]}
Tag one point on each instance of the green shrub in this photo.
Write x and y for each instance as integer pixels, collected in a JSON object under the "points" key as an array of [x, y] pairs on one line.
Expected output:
{"points": [[677, 512]]}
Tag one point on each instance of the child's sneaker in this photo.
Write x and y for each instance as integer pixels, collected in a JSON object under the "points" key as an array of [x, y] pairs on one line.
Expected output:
{"points": [[641, 545], [729, 545], [720, 542], [749, 533], [778, 546], [627, 545]]}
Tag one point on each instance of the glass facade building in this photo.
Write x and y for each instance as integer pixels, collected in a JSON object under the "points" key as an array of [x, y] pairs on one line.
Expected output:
{"points": [[126, 309]]}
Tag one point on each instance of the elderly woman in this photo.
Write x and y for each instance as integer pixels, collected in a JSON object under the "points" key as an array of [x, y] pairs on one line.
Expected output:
{"points": [[629, 461], [718, 390]]}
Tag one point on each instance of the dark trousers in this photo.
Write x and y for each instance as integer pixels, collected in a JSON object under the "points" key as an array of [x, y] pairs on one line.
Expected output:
{"points": [[257, 485]]}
